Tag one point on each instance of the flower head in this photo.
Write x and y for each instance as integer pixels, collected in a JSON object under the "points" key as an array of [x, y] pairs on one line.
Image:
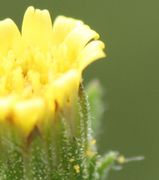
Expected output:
{"points": [[41, 66]]}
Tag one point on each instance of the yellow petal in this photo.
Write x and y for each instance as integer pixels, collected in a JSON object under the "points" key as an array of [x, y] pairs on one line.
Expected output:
{"points": [[64, 88], [92, 52], [37, 28], [62, 26], [9, 34], [68, 84], [27, 114], [78, 38], [6, 105]]}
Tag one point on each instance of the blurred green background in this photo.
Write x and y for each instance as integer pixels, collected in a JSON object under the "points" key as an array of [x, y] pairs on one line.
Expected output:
{"points": [[129, 74]]}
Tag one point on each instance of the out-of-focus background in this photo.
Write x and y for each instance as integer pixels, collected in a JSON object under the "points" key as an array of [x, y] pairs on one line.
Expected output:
{"points": [[129, 74]]}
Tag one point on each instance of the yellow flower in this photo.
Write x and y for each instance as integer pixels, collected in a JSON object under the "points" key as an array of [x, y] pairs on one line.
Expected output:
{"points": [[41, 66]]}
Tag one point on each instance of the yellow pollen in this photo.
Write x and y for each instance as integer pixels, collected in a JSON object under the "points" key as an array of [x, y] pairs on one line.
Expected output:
{"points": [[93, 141], [77, 168], [90, 153], [121, 159]]}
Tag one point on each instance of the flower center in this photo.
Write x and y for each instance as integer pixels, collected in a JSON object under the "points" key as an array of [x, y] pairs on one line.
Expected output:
{"points": [[31, 73]]}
